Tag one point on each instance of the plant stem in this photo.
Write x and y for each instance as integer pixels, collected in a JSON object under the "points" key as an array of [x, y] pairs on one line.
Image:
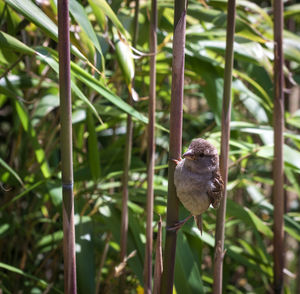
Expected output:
{"points": [[151, 151], [175, 141], [278, 172], [158, 269], [225, 137], [66, 147], [136, 23], [127, 162]]}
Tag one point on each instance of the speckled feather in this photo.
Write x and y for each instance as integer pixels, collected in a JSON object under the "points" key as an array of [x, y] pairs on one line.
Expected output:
{"points": [[201, 146], [197, 177]]}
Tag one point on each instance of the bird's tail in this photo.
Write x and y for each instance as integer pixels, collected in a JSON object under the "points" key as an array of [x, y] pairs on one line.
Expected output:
{"points": [[198, 220]]}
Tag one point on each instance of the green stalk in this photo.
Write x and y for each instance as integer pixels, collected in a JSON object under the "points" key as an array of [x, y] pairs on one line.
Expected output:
{"points": [[66, 147], [127, 162], [278, 172], [225, 137], [125, 179], [175, 141], [151, 151], [158, 267]]}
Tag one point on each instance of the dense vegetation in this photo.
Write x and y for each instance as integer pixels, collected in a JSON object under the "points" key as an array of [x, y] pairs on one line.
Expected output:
{"points": [[102, 71]]}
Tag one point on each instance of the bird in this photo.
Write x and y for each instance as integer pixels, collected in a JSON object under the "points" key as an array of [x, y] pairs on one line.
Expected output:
{"points": [[198, 180]]}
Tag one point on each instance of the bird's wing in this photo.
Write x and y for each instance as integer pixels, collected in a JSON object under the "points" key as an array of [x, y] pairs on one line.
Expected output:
{"points": [[216, 192]]}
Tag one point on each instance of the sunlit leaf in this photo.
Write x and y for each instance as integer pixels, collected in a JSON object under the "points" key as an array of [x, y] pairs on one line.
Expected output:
{"points": [[11, 171]]}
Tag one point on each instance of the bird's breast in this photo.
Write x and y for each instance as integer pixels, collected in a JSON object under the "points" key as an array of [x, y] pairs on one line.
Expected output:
{"points": [[192, 188]]}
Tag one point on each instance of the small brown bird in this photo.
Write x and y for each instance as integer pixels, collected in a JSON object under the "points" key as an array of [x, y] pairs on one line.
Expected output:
{"points": [[198, 181]]}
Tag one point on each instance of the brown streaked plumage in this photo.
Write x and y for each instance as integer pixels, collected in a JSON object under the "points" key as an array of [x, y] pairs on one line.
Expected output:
{"points": [[197, 179]]}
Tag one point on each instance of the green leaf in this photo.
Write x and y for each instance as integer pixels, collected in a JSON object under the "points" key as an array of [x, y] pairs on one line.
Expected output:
{"points": [[85, 254], [51, 239], [208, 73], [103, 5], [254, 8], [256, 86], [252, 102], [90, 81], [33, 13], [39, 152], [26, 123], [36, 15], [11, 171], [45, 105], [291, 156], [52, 62], [248, 217], [292, 10], [187, 274], [22, 273], [11, 43], [22, 194], [100, 16], [290, 225], [93, 151], [81, 17], [125, 58]]}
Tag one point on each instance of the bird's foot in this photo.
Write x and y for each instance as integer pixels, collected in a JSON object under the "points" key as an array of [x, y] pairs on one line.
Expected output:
{"points": [[176, 160], [178, 225]]}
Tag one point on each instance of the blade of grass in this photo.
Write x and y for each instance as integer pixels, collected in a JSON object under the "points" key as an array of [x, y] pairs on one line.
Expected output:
{"points": [[93, 151], [20, 272], [104, 6], [81, 17], [33, 13], [17, 197], [39, 151], [11, 171]]}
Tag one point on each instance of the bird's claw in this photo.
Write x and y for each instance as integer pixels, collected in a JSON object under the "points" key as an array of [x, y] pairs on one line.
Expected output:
{"points": [[176, 160], [178, 225], [175, 227]]}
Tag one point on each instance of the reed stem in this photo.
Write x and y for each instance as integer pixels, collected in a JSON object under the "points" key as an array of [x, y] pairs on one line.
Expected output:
{"points": [[70, 286], [127, 163], [175, 142], [225, 137], [151, 151], [278, 171]]}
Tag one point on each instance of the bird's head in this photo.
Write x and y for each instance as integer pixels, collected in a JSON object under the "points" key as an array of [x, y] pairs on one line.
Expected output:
{"points": [[201, 151]]}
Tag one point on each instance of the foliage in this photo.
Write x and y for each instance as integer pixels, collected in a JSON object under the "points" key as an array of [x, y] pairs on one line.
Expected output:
{"points": [[31, 220]]}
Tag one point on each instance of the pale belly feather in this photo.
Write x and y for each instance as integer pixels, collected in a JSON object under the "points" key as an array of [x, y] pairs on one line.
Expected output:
{"points": [[192, 188]]}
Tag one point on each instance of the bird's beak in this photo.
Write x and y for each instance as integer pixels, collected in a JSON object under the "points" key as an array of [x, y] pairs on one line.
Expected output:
{"points": [[188, 154]]}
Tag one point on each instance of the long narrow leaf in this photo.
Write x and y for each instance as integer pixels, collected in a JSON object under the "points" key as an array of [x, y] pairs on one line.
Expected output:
{"points": [[22, 273], [11, 171]]}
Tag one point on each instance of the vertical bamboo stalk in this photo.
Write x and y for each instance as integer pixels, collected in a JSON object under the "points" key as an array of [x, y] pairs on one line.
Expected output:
{"points": [[66, 146], [278, 172], [225, 137], [175, 141], [158, 269], [127, 162], [151, 150]]}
